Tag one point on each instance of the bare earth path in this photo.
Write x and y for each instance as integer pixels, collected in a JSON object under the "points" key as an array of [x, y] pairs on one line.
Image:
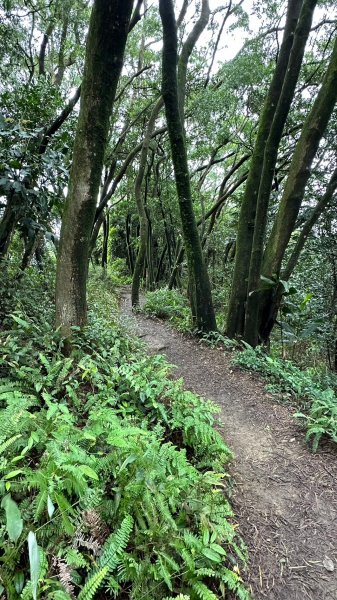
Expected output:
{"points": [[284, 496]]}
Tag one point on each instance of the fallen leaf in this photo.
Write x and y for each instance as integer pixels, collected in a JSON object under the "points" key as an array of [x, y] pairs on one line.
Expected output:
{"points": [[328, 564]]}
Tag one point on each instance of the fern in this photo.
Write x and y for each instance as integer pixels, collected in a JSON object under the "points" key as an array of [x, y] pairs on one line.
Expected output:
{"points": [[93, 584], [116, 543], [96, 433], [202, 591]]}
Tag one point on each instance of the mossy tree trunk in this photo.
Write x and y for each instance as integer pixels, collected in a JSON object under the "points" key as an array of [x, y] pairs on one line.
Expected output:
{"points": [[269, 163], [108, 30], [199, 285], [143, 220], [244, 242], [299, 173]]}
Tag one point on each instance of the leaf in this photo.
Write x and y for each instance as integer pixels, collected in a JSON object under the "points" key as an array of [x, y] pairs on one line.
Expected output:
{"points": [[270, 282], [50, 507], [219, 549], [14, 522], [13, 473], [89, 472], [19, 581], [34, 562], [328, 564], [19, 321], [305, 300], [214, 556], [205, 537]]}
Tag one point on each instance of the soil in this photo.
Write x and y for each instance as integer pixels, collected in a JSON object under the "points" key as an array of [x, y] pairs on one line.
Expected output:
{"points": [[285, 497]]}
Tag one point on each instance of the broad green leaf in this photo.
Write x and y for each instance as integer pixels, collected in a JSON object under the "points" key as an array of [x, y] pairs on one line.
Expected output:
{"points": [[19, 581], [14, 522], [219, 549], [214, 556], [34, 562], [88, 471], [270, 282], [21, 322], [13, 473]]}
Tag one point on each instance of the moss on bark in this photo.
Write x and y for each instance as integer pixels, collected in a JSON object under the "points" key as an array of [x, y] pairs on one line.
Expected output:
{"points": [[106, 41], [199, 285]]}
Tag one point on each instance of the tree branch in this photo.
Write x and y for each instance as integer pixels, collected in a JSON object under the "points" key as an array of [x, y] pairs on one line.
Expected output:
{"points": [[55, 126]]}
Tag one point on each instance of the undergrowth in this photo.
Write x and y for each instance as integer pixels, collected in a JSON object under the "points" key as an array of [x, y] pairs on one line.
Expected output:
{"points": [[169, 305], [317, 402], [112, 481]]}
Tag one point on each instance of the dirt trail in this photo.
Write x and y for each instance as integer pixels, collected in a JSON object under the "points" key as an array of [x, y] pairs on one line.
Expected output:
{"points": [[284, 496]]}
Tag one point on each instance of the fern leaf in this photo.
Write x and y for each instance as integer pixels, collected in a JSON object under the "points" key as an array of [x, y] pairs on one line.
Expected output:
{"points": [[93, 584], [202, 591]]}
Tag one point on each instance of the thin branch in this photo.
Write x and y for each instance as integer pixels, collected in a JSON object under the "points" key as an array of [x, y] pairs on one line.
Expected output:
{"points": [[228, 12], [55, 126], [130, 80], [43, 48]]}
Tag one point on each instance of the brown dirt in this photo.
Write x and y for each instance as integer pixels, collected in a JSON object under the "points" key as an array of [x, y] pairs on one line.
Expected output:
{"points": [[285, 497]]}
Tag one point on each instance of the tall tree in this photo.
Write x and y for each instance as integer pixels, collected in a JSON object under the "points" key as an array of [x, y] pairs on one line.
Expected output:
{"points": [[108, 30], [199, 284], [236, 310], [268, 168], [299, 172]]}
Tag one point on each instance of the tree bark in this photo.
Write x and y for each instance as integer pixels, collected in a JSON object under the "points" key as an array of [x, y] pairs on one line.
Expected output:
{"points": [[236, 310], [299, 173], [186, 52], [200, 289], [106, 41], [269, 163], [143, 221], [7, 225]]}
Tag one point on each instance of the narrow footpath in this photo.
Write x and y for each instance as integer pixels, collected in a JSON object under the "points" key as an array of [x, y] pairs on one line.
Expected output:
{"points": [[285, 498]]}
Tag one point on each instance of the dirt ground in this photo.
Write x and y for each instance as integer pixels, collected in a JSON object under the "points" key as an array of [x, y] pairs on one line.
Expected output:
{"points": [[285, 498]]}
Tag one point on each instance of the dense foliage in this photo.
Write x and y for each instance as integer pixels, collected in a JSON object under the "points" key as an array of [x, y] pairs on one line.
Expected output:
{"points": [[110, 470]]}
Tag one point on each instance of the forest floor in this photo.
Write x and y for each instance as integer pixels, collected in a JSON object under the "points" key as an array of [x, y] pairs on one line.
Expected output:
{"points": [[284, 497]]}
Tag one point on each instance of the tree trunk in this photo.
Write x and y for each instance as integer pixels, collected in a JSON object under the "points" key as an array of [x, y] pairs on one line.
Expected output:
{"points": [[128, 226], [236, 310], [7, 225], [200, 289], [143, 222], [106, 227], [269, 163], [106, 41], [308, 225], [299, 173], [273, 301]]}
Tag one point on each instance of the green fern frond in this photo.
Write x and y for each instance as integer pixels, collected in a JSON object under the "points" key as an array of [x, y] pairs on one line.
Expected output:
{"points": [[116, 543], [93, 584], [202, 591], [9, 442]]}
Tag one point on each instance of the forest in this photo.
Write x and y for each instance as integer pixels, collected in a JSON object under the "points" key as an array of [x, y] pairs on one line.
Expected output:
{"points": [[168, 186]]}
